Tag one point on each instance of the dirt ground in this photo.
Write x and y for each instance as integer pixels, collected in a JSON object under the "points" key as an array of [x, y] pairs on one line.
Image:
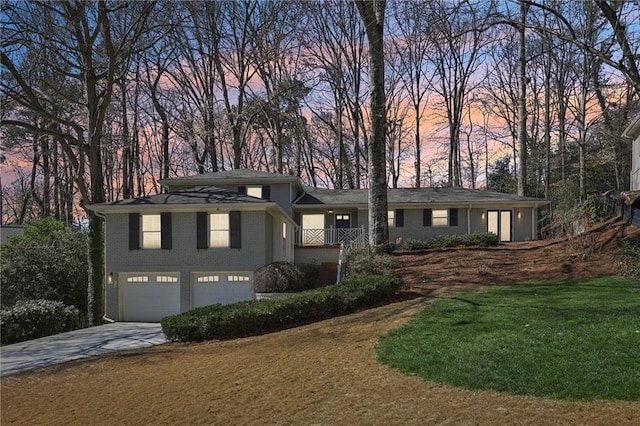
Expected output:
{"points": [[323, 373]]}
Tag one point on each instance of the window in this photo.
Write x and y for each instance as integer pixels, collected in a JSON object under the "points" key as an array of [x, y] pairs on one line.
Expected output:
{"points": [[151, 231], [138, 279], [440, 217], [254, 191], [258, 191], [395, 218], [209, 279], [166, 279], [219, 230], [237, 278]]}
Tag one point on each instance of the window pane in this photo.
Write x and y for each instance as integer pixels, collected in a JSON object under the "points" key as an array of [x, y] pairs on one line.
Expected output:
{"points": [[391, 218], [151, 222], [151, 240], [440, 217], [219, 238], [254, 191], [219, 221]]}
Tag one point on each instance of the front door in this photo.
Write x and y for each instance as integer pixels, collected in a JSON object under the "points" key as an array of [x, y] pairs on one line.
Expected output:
{"points": [[499, 222], [343, 228], [343, 220]]}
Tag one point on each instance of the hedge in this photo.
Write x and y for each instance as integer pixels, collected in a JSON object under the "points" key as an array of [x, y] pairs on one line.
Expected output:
{"points": [[631, 257], [443, 241], [260, 316], [31, 319]]}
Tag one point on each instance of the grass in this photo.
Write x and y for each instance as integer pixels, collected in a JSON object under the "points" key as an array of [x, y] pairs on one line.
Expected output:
{"points": [[575, 340]]}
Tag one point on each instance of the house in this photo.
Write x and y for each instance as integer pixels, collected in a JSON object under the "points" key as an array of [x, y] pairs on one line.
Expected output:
{"points": [[200, 242]]}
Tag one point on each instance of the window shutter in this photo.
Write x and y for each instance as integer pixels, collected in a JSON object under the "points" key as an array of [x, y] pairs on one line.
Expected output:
{"points": [[165, 231], [242, 190], [266, 192], [426, 217], [134, 231], [235, 234], [453, 217], [202, 230], [399, 218]]}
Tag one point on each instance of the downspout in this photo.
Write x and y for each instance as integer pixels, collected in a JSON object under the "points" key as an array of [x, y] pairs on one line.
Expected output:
{"points": [[104, 317], [534, 230]]}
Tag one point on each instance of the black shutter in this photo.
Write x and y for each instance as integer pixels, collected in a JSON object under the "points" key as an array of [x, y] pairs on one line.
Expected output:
{"points": [[202, 230], [165, 231], [266, 192], [453, 217], [242, 190], [399, 218], [134, 231], [426, 217], [235, 234]]}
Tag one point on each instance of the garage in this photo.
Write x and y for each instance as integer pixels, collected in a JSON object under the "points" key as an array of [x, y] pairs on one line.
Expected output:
{"points": [[208, 288], [148, 297]]}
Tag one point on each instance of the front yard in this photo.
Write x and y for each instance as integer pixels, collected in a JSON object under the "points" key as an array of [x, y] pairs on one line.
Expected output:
{"points": [[322, 373]]}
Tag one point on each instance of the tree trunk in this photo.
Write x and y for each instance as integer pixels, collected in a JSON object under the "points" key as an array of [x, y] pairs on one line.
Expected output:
{"points": [[372, 13], [522, 107]]}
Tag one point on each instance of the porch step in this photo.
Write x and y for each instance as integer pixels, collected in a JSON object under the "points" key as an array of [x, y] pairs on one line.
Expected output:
{"points": [[327, 274]]}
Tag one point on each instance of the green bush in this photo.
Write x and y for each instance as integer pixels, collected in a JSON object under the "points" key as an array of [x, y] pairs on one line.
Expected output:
{"points": [[280, 277], [595, 209], [49, 261], [444, 241], [631, 257], [260, 316], [362, 262], [31, 319]]}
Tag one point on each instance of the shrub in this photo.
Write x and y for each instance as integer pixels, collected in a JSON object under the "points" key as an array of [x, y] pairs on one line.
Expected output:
{"points": [[31, 319], [443, 241], [631, 257], [279, 277], [49, 261], [595, 209], [362, 262], [260, 316]]}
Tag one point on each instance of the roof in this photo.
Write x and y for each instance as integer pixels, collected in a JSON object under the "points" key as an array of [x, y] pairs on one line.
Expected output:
{"points": [[412, 196], [230, 177], [202, 197], [632, 131]]}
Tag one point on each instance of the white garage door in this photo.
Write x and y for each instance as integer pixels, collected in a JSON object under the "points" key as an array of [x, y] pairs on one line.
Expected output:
{"points": [[208, 288], [149, 297]]}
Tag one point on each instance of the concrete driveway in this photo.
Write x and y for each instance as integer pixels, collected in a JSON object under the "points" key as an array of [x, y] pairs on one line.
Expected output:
{"points": [[77, 344]]}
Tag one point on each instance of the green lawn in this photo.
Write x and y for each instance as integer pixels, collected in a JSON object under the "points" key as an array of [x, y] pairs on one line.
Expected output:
{"points": [[577, 339]]}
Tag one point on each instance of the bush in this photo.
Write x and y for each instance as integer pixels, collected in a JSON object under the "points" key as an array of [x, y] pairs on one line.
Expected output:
{"points": [[49, 261], [362, 262], [444, 241], [631, 257], [595, 209], [279, 277], [31, 319], [260, 316]]}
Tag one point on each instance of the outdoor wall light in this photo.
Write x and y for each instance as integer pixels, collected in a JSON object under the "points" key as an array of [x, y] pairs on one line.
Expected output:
{"points": [[519, 214], [482, 216], [110, 278]]}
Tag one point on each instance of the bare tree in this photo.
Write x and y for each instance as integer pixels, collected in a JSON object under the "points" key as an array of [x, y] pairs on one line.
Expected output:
{"points": [[372, 13], [80, 36]]}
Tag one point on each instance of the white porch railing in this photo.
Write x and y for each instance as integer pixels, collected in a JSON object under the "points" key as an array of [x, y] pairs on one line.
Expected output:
{"points": [[330, 236]]}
